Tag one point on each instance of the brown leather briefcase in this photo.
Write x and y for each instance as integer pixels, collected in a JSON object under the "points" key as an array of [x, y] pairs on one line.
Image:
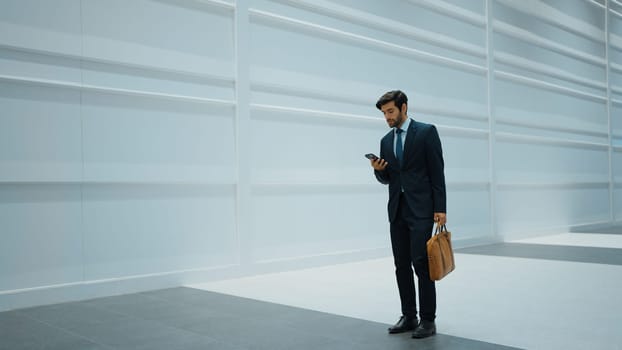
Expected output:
{"points": [[440, 253]]}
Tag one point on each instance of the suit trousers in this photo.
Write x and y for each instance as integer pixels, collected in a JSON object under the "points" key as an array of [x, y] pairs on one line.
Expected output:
{"points": [[409, 236]]}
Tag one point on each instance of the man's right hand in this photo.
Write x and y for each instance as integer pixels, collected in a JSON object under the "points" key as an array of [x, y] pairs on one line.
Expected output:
{"points": [[379, 164]]}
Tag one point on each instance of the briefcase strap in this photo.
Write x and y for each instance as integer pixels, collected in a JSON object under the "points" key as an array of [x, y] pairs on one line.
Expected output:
{"points": [[440, 228]]}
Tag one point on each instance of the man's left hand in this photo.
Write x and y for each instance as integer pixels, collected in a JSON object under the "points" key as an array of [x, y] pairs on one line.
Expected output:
{"points": [[440, 218]]}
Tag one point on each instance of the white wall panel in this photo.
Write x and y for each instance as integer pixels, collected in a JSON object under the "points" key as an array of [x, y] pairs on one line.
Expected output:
{"points": [[468, 212], [617, 202], [117, 145], [136, 139], [298, 221], [525, 211], [16, 63], [311, 100], [315, 58], [615, 53], [41, 236], [467, 165], [51, 150], [616, 159], [517, 41], [426, 15], [184, 86], [466, 155], [557, 22], [554, 109], [616, 109], [153, 229], [41, 25], [289, 148], [552, 124], [534, 160], [365, 21], [160, 34], [476, 6]]}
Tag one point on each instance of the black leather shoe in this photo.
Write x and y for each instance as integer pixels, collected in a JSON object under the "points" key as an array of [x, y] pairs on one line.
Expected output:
{"points": [[405, 324], [425, 329]]}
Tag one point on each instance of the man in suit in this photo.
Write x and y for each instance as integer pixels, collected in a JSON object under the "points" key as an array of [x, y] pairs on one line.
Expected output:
{"points": [[411, 163]]}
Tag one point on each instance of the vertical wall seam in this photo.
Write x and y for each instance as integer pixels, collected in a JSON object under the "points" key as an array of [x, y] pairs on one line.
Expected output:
{"points": [[82, 231], [491, 120], [242, 133], [609, 121]]}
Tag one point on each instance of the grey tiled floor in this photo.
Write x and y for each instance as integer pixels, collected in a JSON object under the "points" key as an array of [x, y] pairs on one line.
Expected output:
{"points": [[186, 318]]}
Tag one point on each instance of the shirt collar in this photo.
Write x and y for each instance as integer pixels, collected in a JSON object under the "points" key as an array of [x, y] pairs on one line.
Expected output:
{"points": [[405, 126]]}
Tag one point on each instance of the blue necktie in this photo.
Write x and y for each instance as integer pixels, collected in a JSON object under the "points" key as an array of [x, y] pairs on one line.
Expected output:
{"points": [[399, 152]]}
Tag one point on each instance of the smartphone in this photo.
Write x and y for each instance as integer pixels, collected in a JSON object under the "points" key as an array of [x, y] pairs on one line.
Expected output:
{"points": [[371, 156]]}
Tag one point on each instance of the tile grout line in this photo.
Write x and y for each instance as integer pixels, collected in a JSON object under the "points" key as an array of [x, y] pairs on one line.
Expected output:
{"points": [[21, 314], [101, 308]]}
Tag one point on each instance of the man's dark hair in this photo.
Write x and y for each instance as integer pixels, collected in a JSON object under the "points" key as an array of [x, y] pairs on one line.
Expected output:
{"points": [[396, 96]]}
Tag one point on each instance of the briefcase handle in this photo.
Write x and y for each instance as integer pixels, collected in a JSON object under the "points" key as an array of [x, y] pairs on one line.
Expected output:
{"points": [[440, 228]]}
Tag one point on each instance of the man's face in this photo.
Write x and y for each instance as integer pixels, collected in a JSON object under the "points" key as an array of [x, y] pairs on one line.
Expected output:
{"points": [[392, 114]]}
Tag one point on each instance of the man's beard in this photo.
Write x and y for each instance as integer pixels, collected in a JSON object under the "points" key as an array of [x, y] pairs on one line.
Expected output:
{"points": [[397, 121]]}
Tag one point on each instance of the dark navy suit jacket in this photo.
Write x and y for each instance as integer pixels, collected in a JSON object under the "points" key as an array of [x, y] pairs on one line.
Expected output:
{"points": [[421, 175]]}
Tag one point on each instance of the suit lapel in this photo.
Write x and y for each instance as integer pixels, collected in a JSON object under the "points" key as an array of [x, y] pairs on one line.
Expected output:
{"points": [[409, 143], [390, 157]]}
